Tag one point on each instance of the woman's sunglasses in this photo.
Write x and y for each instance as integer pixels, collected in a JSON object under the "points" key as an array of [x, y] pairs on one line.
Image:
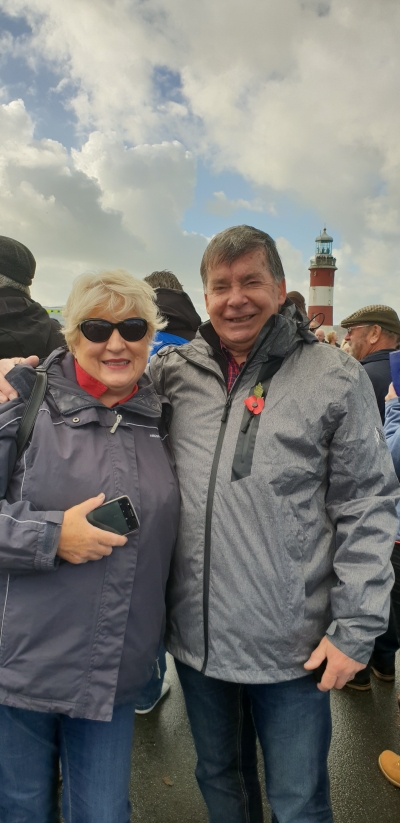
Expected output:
{"points": [[98, 331]]}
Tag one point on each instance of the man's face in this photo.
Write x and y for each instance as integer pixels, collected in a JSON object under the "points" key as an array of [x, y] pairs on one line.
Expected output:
{"points": [[240, 298], [360, 340], [320, 334]]}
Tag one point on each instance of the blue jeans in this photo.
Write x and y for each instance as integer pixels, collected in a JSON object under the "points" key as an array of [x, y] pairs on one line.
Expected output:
{"points": [[152, 691], [95, 758], [293, 724]]}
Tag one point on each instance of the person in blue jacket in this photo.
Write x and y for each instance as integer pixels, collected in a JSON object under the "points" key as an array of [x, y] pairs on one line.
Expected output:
{"points": [[183, 321], [176, 306], [389, 761]]}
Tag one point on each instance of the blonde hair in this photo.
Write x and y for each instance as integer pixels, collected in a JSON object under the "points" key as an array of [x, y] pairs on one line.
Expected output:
{"points": [[330, 336], [115, 292]]}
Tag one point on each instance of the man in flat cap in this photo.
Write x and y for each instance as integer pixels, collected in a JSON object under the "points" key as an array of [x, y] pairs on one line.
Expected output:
{"points": [[25, 326], [372, 333]]}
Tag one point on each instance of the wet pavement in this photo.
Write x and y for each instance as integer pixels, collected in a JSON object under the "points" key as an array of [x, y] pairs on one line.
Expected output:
{"points": [[164, 790]]}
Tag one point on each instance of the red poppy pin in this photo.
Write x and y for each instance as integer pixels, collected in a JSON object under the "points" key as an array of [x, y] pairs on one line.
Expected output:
{"points": [[255, 403]]}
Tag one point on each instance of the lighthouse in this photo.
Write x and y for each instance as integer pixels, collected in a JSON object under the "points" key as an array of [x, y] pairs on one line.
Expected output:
{"points": [[322, 276]]}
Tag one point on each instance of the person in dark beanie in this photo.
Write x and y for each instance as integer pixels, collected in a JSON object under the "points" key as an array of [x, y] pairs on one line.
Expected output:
{"points": [[25, 326], [177, 308]]}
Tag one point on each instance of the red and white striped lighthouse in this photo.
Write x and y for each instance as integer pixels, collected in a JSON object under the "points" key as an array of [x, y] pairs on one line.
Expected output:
{"points": [[322, 276]]}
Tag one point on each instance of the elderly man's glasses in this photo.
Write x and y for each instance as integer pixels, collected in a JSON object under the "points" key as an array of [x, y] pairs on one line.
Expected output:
{"points": [[362, 326], [98, 331]]}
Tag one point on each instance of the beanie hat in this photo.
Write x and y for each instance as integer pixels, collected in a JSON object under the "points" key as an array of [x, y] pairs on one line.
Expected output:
{"points": [[16, 261], [382, 316]]}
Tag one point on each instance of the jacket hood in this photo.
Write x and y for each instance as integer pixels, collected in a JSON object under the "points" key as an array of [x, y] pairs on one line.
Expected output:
{"points": [[178, 309]]}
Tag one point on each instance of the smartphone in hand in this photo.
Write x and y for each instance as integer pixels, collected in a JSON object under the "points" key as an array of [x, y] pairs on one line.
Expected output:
{"points": [[117, 516]]}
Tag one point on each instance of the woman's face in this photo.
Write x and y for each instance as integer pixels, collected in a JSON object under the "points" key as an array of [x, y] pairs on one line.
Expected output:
{"points": [[117, 363]]}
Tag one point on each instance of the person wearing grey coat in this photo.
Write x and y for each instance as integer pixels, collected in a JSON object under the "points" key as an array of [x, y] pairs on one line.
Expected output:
{"points": [[282, 564], [82, 611]]}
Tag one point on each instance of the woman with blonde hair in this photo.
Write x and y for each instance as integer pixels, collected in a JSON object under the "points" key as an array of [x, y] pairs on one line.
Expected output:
{"points": [[82, 608], [331, 338]]}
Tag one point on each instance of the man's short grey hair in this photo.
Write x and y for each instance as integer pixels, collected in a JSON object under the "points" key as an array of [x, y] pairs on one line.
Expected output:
{"points": [[7, 282], [232, 243], [163, 280]]}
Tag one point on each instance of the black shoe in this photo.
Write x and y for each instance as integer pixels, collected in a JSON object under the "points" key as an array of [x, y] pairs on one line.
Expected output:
{"points": [[361, 682], [387, 673]]}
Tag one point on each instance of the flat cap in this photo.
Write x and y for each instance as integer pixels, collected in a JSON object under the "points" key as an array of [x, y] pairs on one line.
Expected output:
{"points": [[383, 316], [16, 261]]}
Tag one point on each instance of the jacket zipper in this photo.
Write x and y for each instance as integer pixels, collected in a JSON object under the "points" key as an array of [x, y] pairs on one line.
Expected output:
{"points": [[210, 494], [116, 424]]}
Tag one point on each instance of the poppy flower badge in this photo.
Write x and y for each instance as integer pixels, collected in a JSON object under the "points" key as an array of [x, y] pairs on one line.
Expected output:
{"points": [[255, 403]]}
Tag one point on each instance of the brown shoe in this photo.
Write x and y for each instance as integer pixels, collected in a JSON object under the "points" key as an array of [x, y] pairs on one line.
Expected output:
{"points": [[389, 764]]}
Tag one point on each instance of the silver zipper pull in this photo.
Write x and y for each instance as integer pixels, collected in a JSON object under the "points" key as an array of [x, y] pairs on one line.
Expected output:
{"points": [[116, 424]]}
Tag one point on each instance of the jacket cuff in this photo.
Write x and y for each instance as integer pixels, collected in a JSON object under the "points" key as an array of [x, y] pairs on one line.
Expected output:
{"points": [[22, 379], [344, 639], [46, 558]]}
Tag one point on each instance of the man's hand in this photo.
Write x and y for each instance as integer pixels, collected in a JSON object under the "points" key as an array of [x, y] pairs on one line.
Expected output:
{"points": [[6, 391], [80, 541], [339, 667], [391, 395]]}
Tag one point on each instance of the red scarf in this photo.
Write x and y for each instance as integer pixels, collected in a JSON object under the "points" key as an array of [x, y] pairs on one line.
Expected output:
{"points": [[94, 387]]}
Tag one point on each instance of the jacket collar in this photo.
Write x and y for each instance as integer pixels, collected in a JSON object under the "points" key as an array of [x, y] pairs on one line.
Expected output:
{"points": [[381, 354], [69, 396], [281, 334]]}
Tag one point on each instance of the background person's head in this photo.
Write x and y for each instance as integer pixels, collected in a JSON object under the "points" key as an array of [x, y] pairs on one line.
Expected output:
{"points": [[163, 280], [113, 296], [244, 285], [298, 301], [17, 265], [320, 334], [331, 338], [371, 329]]}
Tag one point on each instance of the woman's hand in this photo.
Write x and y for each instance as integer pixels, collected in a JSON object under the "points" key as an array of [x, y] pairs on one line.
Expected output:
{"points": [[391, 395], [79, 541]]}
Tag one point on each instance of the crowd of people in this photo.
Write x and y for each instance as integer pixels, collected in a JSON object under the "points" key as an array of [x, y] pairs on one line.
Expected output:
{"points": [[259, 460]]}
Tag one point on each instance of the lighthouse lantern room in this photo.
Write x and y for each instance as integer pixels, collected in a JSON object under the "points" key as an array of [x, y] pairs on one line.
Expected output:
{"points": [[322, 276]]}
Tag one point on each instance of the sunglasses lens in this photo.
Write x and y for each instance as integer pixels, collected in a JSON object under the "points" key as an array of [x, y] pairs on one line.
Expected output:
{"points": [[97, 331], [133, 329]]}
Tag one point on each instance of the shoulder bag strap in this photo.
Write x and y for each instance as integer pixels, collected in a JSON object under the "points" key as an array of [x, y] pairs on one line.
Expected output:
{"points": [[31, 410]]}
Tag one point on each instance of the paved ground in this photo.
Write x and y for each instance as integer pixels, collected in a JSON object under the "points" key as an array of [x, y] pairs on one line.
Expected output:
{"points": [[364, 725]]}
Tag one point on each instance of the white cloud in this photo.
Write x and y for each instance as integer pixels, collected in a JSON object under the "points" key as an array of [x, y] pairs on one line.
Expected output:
{"points": [[106, 206], [297, 96], [224, 207], [295, 268]]}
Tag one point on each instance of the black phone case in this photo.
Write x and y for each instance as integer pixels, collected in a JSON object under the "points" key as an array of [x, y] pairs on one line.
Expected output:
{"points": [[109, 517]]}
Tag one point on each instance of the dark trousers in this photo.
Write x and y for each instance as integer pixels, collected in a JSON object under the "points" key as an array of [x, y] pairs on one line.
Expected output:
{"points": [[387, 644], [396, 589], [293, 725]]}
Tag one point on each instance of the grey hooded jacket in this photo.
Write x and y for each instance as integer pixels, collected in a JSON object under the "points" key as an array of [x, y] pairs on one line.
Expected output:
{"points": [[288, 518], [77, 639]]}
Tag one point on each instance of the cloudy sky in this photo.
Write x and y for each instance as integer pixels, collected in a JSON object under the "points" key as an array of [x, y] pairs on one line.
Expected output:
{"points": [[131, 131]]}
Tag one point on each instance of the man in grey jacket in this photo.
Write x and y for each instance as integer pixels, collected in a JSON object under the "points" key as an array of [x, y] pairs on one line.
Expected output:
{"points": [[288, 521], [287, 525]]}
